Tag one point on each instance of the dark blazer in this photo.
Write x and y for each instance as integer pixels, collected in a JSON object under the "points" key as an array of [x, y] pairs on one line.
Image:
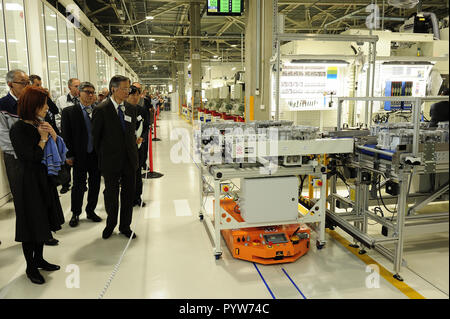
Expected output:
{"points": [[8, 104], [110, 141], [50, 117], [439, 113], [145, 118], [75, 134]]}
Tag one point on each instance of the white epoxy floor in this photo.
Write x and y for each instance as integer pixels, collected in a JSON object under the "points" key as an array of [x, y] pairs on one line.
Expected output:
{"points": [[173, 258]]}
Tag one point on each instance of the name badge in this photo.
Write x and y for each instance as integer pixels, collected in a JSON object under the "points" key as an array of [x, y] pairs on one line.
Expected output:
{"points": [[127, 118], [139, 118]]}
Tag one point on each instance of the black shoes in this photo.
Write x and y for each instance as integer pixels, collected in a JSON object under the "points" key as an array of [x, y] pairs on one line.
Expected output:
{"points": [[107, 233], [64, 189], [44, 265], [74, 220], [35, 276], [94, 217], [128, 233], [52, 242]]}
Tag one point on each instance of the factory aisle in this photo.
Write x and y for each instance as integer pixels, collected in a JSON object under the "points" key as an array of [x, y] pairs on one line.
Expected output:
{"points": [[172, 255]]}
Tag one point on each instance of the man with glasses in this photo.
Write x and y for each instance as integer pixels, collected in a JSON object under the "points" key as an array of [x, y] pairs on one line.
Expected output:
{"points": [[113, 128], [63, 102], [76, 125], [16, 80]]}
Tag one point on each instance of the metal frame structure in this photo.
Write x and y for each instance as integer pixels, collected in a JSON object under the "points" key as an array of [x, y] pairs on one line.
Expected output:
{"points": [[211, 178], [399, 172]]}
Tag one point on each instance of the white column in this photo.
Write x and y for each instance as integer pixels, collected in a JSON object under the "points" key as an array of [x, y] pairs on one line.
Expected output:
{"points": [[92, 61], [36, 39]]}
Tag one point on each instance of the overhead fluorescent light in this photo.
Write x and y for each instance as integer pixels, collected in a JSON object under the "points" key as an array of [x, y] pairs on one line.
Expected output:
{"points": [[13, 7], [151, 39], [152, 51], [13, 41], [50, 28], [233, 69], [149, 17], [234, 45], [215, 57]]}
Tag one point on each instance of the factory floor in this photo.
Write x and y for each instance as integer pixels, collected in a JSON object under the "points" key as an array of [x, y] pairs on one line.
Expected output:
{"points": [[172, 256]]}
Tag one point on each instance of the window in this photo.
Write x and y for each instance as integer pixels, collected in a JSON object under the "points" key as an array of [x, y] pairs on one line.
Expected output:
{"points": [[116, 68], [13, 40], [63, 54], [102, 68], [72, 53], [16, 45], [3, 61], [51, 39]]}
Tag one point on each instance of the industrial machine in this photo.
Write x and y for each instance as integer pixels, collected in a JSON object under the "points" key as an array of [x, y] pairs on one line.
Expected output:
{"points": [[395, 171], [255, 172]]}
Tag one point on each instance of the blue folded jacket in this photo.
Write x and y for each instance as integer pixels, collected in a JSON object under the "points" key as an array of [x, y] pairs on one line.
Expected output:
{"points": [[54, 155]]}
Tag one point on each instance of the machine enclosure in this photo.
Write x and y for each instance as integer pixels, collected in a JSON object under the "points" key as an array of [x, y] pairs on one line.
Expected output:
{"points": [[269, 199]]}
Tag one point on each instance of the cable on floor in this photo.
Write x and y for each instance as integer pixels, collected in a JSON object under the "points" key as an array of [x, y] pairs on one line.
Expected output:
{"points": [[117, 265], [426, 280]]}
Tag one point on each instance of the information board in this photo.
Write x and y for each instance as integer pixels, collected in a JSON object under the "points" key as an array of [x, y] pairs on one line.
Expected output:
{"points": [[225, 7]]}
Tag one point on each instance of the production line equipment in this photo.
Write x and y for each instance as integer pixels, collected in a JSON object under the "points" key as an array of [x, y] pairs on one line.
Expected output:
{"points": [[396, 170], [255, 173]]}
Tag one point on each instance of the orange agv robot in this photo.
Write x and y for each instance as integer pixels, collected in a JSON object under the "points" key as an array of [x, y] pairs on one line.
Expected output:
{"points": [[265, 245]]}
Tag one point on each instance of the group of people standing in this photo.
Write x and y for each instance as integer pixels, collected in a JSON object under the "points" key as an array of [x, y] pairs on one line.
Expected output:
{"points": [[99, 136]]}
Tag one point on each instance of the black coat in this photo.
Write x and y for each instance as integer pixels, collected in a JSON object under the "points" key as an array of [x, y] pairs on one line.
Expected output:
{"points": [[39, 211], [50, 116], [143, 119], [75, 134], [439, 113], [110, 141], [8, 104]]}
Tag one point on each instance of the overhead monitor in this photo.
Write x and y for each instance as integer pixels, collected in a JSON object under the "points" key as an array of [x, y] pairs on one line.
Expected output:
{"points": [[225, 7]]}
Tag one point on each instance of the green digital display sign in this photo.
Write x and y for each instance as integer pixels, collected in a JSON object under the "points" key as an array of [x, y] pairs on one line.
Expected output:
{"points": [[225, 7]]}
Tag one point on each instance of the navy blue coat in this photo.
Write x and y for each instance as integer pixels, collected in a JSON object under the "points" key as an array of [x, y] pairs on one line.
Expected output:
{"points": [[8, 104]]}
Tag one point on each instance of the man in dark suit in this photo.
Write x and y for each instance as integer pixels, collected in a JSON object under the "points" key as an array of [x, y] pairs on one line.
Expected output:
{"points": [[439, 111], [76, 126], [53, 110], [113, 129], [142, 132]]}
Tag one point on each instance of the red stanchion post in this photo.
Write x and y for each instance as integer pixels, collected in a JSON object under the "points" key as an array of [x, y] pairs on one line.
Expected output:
{"points": [[150, 151], [155, 119], [151, 173]]}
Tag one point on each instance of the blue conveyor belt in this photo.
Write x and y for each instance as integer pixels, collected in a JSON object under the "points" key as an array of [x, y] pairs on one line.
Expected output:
{"points": [[386, 157]]}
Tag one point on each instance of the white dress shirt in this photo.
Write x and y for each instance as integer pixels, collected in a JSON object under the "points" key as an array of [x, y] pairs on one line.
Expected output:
{"points": [[62, 103]]}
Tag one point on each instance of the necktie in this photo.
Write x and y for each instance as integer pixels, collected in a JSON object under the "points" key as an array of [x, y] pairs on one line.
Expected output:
{"points": [[90, 146], [121, 116]]}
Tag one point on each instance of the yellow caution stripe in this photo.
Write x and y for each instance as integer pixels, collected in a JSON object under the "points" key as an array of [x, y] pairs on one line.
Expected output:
{"points": [[386, 274]]}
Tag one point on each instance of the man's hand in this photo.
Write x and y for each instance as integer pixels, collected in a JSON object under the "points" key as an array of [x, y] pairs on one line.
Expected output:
{"points": [[69, 162], [139, 140]]}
